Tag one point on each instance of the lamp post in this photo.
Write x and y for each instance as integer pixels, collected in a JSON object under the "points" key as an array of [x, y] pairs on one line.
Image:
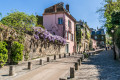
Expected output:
{"points": [[114, 45]]}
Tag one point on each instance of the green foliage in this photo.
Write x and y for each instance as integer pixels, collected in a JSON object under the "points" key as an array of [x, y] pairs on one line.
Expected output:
{"points": [[16, 52], [40, 26], [115, 18], [108, 9], [39, 20], [3, 53], [79, 35], [108, 42], [26, 56], [111, 12], [0, 14], [88, 35], [85, 55], [20, 21], [117, 36]]}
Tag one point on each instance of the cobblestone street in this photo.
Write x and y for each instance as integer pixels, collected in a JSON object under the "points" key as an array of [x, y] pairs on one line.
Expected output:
{"points": [[99, 67]]}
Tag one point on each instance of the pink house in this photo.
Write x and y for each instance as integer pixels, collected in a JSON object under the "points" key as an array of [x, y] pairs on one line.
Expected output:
{"points": [[94, 44], [58, 21]]}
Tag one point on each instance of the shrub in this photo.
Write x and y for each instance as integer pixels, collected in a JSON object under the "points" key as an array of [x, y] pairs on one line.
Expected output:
{"points": [[3, 53], [16, 52], [85, 55]]}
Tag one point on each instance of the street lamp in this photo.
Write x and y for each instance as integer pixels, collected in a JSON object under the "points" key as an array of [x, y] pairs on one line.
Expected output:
{"points": [[113, 45]]}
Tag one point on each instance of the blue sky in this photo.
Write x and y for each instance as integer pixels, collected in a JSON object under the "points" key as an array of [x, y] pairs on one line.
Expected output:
{"points": [[80, 9]]}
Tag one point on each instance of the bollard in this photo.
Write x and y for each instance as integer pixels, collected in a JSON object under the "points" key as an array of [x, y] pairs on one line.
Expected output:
{"points": [[76, 65], [83, 57], [64, 55], [69, 54], [59, 55], [54, 57], [75, 53], [11, 71], [48, 59], [79, 62], [40, 61], [72, 72], [62, 79], [72, 53], [29, 65]]}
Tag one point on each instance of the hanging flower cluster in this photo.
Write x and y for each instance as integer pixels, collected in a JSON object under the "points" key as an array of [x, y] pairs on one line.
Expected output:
{"points": [[40, 33]]}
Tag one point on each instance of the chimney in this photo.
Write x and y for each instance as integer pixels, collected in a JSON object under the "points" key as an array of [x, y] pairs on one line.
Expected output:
{"points": [[55, 9], [67, 7]]}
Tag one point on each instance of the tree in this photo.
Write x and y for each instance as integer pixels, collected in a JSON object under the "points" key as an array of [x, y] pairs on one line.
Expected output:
{"points": [[112, 18], [0, 14], [20, 21], [107, 10]]}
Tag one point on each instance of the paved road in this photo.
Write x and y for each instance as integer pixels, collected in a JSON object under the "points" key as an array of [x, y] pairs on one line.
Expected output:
{"points": [[99, 67], [51, 71]]}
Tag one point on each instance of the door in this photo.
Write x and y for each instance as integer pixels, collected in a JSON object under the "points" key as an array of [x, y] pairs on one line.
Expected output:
{"points": [[67, 48]]}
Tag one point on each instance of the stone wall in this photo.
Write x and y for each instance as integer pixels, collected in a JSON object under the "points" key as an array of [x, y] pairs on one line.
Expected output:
{"points": [[33, 48], [39, 48]]}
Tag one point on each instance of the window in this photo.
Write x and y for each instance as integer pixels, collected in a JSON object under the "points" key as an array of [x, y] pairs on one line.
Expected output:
{"points": [[68, 35], [73, 37], [69, 24], [60, 20], [95, 37], [53, 33], [102, 38]]}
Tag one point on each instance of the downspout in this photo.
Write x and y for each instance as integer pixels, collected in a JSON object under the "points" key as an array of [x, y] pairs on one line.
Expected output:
{"points": [[63, 26]]}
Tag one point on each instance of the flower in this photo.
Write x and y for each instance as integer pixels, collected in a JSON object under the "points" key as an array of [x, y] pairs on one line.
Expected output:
{"points": [[47, 36]]}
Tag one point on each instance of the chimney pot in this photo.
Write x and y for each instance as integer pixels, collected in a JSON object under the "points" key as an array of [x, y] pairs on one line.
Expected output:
{"points": [[67, 7]]}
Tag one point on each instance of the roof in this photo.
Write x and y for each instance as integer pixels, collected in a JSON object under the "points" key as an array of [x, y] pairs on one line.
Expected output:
{"points": [[98, 32], [83, 24], [58, 8]]}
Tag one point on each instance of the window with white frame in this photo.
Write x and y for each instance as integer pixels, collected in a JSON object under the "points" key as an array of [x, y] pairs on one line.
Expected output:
{"points": [[68, 35], [69, 24]]}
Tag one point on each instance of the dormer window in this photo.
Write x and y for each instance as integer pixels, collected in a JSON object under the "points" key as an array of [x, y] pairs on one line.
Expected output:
{"points": [[60, 20]]}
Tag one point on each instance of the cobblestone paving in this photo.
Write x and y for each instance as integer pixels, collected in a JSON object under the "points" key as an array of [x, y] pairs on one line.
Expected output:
{"points": [[99, 67]]}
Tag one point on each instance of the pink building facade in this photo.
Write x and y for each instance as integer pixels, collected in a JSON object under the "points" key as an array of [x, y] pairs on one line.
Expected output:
{"points": [[94, 44], [58, 21]]}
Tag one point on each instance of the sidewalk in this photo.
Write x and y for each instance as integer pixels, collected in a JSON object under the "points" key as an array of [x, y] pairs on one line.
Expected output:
{"points": [[48, 71]]}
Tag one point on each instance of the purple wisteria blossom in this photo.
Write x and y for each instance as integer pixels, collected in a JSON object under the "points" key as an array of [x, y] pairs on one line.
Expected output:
{"points": [[43, 33]]}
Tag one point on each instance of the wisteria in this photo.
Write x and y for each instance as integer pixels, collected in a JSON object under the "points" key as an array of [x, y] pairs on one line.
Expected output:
{"points": [[46, 36]]}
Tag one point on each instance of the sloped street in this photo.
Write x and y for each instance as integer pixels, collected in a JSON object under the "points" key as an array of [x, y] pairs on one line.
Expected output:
{"points": [[99, 67]]}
